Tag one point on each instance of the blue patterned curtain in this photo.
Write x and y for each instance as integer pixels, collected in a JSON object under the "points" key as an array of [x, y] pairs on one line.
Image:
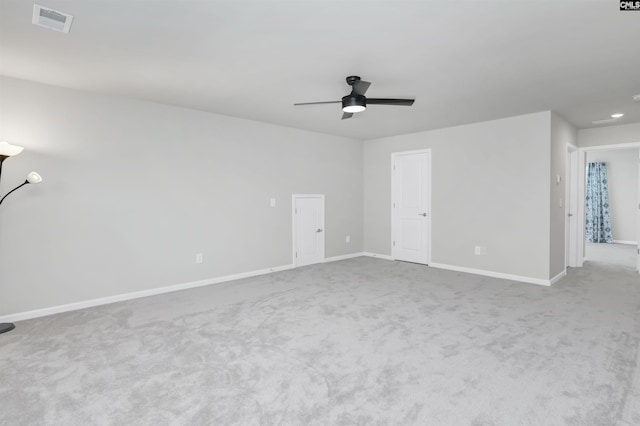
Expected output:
{"points": [[598, 217]]}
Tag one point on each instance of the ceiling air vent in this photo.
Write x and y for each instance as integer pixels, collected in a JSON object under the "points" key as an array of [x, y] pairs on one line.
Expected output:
{"points": [[51, 19]]}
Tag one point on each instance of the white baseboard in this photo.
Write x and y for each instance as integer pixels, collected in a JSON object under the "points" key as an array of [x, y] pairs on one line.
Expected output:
{"points": [[379, 256], [558, 277], [343, 257], [631, 243], [21, 316], [520, 278]]}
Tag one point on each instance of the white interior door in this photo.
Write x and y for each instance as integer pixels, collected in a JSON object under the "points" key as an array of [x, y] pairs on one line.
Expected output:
{"points": [[308, 229], [411, 206], [638, 219]]}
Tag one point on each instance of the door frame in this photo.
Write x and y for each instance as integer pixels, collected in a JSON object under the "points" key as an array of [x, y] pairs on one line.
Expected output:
{"points": [[429, 218], [571, 202], [294, 247], [582, 165]]}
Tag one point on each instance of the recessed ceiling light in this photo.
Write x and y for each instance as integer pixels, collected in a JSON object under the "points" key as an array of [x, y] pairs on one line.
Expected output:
{"points": [[617, 115]]}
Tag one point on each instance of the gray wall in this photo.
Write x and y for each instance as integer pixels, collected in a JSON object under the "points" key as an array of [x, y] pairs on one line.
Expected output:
{"points": [[609, 135], [562, 134], [622, 170], [133, 190], [490, 187]]}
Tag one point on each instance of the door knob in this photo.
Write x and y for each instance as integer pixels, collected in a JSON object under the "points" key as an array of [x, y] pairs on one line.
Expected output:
{"points": [[319, 230], [570, 214], [422, 214]]}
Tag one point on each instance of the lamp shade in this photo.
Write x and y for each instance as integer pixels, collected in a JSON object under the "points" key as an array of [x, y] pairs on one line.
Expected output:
{"points": [[33, 177], [8, 150]]}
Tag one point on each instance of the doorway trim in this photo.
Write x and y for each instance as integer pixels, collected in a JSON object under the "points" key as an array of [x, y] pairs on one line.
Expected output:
{"points": [[294, 247], [429, 184], [571, 202], [582, 165]]}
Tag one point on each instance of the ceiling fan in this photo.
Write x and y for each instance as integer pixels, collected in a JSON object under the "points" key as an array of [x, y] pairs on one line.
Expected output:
{"points": [[356, 101]]}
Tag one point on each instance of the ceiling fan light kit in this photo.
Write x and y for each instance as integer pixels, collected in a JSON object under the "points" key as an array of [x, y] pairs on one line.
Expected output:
{"points": [[356, 101]]}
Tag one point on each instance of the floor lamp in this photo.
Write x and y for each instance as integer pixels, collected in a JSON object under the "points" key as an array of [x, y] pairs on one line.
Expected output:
{"points": [[7, 150]]}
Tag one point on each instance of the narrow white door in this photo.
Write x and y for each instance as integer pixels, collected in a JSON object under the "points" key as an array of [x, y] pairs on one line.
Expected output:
{"points": [[411, 206], [308, 226]]}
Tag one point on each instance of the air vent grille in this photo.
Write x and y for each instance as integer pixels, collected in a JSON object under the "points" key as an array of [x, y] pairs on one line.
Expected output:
{"points": [[51, 19]]}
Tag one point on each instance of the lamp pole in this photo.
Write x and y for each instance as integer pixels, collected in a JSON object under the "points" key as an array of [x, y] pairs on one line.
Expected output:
{"points": [[4, 326], [7, 150], [2, 158]]}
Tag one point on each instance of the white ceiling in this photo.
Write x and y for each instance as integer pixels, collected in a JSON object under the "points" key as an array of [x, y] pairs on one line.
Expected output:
{"points": [[463, 61]]}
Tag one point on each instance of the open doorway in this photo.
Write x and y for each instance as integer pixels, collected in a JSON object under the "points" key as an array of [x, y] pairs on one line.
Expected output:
{"points": [[609, 205]]}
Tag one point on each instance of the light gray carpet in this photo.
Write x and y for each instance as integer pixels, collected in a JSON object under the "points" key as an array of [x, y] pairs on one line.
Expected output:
{"points": [[357, 342], [617, 254]]}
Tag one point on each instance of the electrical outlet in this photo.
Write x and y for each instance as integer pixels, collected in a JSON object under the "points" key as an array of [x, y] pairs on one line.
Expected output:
{"points": [[480, 251], [348, 238], [199, 258]]}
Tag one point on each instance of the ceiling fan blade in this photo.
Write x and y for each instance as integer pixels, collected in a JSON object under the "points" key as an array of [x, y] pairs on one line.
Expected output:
{"points": [[361, 86], [381, 101], [317, 103], [346, 115]]}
